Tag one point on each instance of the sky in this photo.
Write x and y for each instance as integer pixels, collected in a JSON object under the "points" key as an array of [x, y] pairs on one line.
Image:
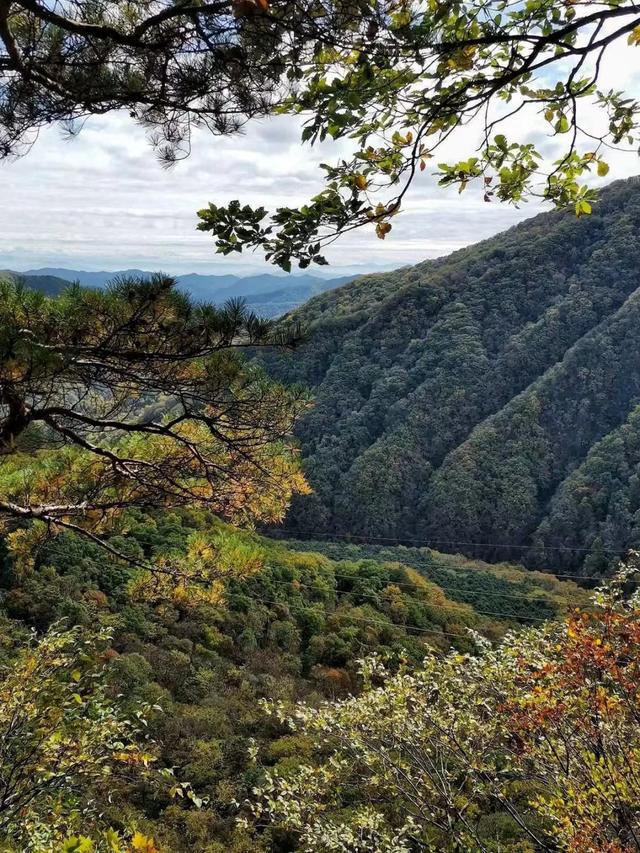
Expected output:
{"points": [[103, 201]]}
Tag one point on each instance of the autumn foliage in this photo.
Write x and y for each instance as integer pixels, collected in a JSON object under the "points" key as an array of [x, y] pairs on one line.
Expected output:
{"points": [[533, 745], [136, 397], [573, 725]]}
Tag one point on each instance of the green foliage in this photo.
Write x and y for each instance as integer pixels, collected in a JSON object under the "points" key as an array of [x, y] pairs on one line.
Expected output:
{"points": [[283, 624], [398, 79], [407, 79], [598, 502], [171, 67], [463, 400], [65, 742], [501, 588], [531, 745], [135, 396], [50, 285]]}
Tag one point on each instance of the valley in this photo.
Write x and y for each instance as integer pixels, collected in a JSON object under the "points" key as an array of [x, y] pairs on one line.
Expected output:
{"points": [[468, 470]]}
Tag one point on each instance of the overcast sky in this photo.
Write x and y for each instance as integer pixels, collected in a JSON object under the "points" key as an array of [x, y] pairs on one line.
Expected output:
{"points": [[102, 200]]}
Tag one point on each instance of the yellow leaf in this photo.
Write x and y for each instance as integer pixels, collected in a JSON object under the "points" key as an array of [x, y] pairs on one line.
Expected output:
{"points": [[634, 36], [113, 840], [603, 168], [143, 844]]}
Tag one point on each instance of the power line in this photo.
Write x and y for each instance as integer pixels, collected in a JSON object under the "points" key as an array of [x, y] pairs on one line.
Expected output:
{"points": [[385, 624], [452, 566], [428, 543], [452, 606], [413, 586], [406, 585]]}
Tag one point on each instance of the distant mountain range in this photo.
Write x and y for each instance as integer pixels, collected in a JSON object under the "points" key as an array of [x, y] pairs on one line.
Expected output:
{"points": [[268, 295]]}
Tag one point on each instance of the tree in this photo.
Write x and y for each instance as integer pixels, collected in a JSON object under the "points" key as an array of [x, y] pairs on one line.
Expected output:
{"points": [[533, 743], [172, 65], [400, 77], [62, 740], [414, 75], [135, 397]]}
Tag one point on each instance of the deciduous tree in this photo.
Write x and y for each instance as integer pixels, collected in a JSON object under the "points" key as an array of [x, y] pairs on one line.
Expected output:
{"points": [[62, 740], [413, 79], [542, 730]]}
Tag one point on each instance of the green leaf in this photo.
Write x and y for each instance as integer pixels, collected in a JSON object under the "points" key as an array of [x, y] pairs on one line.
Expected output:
{"points": [[77, 844]]}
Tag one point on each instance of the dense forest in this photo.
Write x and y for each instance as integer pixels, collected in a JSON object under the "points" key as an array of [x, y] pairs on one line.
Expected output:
{"points": [[390, 679], [172, 680], [485, 402], [287, 625]]}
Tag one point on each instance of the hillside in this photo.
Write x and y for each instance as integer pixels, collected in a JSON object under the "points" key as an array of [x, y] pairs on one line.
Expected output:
{"points": [[290, 623], [50, 285], [486, 401]]}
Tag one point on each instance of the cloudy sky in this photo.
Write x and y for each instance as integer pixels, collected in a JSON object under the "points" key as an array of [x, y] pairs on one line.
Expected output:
{"points": [[102, 201]]}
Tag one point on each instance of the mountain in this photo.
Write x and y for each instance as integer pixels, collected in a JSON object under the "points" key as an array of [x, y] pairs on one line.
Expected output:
{"points": [[268, 295], [50, 285], [84, 277], [487, 402], [299, 287], [275, 303]]}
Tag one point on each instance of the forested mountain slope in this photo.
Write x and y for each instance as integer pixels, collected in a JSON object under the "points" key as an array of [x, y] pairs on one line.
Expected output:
{"points": [[50, 285], [486, 397]]}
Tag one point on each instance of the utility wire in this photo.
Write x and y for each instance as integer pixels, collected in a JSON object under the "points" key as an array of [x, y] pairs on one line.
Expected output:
{"points": [[384, 624], [413, 586], [428, 543], [444, 565], [453, 606]]}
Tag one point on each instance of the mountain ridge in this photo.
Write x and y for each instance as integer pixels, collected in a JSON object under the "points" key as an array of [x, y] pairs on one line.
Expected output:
{"points": [[267, 294], [409, 367], [50, 285]]}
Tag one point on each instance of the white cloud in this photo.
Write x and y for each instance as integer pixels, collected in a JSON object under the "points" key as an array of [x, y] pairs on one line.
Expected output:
{"points": [[101, 200]]}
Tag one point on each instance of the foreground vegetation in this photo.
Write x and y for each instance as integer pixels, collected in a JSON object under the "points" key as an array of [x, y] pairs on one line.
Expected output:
{"points": [[395, 80], [532, 745], [285, 625]]}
